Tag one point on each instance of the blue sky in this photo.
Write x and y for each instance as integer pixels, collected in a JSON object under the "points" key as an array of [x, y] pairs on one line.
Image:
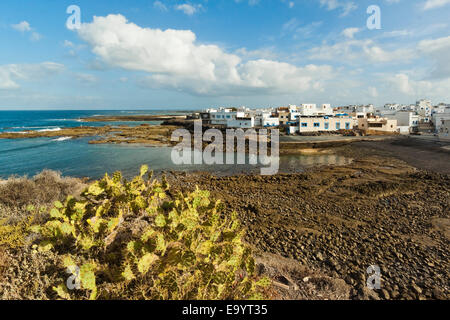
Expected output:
{"points": [[194, 54]]}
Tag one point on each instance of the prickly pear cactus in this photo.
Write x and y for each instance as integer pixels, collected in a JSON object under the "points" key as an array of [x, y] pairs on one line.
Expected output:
{"points": [[188, 250]]}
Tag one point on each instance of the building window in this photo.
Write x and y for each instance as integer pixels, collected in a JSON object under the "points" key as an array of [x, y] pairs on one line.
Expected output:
{"points": [[347, 125], [304, 124], [327, 125], [338, 126], [228, 117], [316, 124]]}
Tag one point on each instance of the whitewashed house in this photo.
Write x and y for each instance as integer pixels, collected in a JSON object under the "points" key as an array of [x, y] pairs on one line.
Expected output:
{"points": [[266, 119], [324, 123], [407, 121], [377, 124], [423, 108], [241, 122], [221, 116], [308, 109]]}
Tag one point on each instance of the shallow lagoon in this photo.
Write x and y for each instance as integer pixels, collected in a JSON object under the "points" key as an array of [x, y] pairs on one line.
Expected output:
{"points": [[75, 157]]}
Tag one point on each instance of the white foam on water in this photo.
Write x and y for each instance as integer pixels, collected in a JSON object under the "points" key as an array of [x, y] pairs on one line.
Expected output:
{"points": [[49, 130], [62, 139]]}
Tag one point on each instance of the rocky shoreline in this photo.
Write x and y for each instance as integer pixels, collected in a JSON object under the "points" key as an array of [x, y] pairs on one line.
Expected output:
{"points": [[341, 220], [318, 231], [145, 134]]}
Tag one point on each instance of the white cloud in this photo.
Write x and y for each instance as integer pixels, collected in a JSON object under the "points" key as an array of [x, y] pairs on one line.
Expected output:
{"points": [[345, 6], [35, 36], [250, 2], [432, 4], [350, 32], [439, 52], [86, 78], [189, 9], [407, 86], [292, 27], [23, 26], [6, 78], [11, 74], [263, 53], [68, 44], [161, 6], [173, 59], [353, 51]]}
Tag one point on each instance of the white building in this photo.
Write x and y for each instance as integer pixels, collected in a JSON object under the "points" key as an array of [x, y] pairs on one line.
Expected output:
{"points": [[325, 110], [357, 109], [391, 106], [423, 108], [438, 120], [241, 122], [407, 121], [377, 124], [386, 112], [444, 131], [308, 109], [441, 108], [271, 122], [324, 123], [221, 116], [266, 119], [311, 109]]}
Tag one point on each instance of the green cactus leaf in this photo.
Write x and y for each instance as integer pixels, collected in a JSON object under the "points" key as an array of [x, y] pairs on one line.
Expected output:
{"points": [[58, 205], [128, 273], [87, 276], [144, 170], [263, 282], [95, 190], [54, 213], [68, 261], [146, 262], [62, 292], [160, 220]]}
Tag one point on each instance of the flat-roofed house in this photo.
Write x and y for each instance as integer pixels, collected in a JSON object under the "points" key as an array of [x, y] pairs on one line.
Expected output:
{"points": [[324, 123], [223, 115], [444, 131], [241, 122], [377, 124]]}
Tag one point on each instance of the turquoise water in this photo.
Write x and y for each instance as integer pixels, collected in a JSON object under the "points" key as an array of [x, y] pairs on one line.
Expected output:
{"points": [[75, 157], [16, 121]]}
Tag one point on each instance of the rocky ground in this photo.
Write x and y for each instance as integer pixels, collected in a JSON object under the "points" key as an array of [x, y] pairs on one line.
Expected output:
{"points": [[341, 220], [315, 233]]}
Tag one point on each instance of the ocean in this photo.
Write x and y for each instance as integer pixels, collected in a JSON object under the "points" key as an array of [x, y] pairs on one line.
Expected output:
{"points": [[75, 157]]}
